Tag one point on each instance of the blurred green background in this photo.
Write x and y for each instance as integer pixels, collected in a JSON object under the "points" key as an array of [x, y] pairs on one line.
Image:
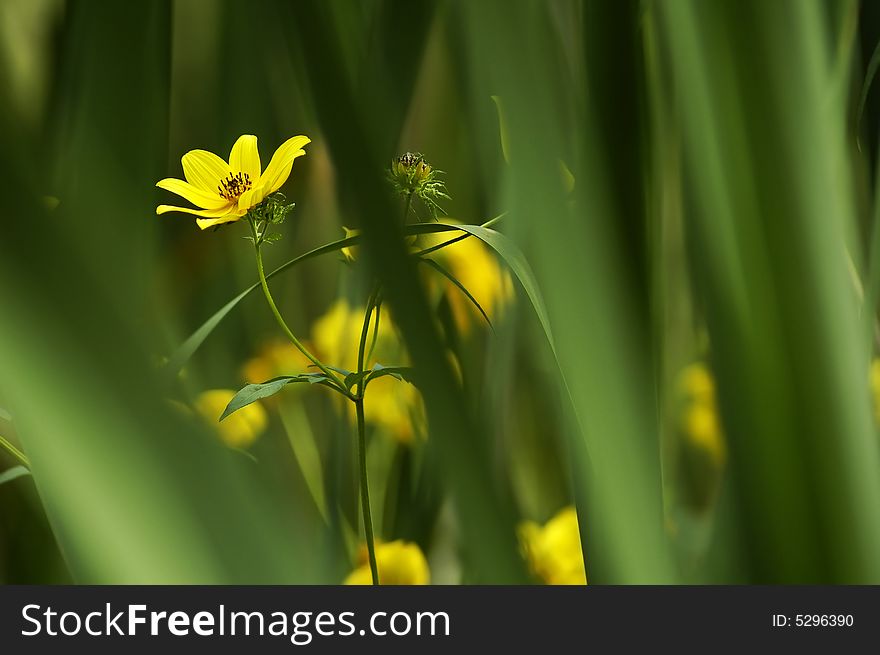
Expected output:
{"points": [[691, 183]]}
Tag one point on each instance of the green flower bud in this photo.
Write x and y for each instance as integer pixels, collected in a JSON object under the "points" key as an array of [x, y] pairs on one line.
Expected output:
{"points": [[413, 177]]}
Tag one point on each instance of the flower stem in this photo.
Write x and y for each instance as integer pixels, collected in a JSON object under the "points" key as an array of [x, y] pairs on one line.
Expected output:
{"points": [[15, 452], [365, 490], [408, 206], [362, 438], [296, 342]]}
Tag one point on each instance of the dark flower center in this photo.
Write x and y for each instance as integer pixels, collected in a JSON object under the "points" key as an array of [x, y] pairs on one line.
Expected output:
{"points": [[234, 185]]}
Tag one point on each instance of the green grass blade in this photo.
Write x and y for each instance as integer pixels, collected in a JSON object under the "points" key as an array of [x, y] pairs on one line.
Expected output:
{"points": [[13, 474]]}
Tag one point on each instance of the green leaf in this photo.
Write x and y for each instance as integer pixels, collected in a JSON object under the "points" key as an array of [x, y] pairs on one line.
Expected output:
{"points": [[449, 276], [402, 373], [353, 378], [5, 416], [519, 266], [181, 356], [253, 392], [13, 474]]}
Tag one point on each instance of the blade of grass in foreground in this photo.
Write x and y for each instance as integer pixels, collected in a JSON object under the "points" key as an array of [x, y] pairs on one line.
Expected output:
{"points": [[134, 492], [770, 213], [584, 268]]}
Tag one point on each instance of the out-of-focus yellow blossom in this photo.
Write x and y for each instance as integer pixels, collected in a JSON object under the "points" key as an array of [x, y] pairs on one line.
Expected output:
{"points": [[875, 387], [399, 563], [479, 271], [702, 428], [225, 191], [554, 549], [274, 358], [700, 422], [238, 430], [697, 384], [394, 406], [336, 334]]}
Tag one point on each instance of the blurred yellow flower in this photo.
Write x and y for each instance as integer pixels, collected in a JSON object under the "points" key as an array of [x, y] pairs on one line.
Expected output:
{"points": [[399, 563], [395, 407], [336, 334], [875, 387], [696, 384], [700, 421], [238, 430], [226, 191], [275, 357], [554, 549], [478, 270], [703, 430]]}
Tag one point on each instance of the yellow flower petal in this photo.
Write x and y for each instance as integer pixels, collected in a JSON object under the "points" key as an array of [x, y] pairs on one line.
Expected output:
{"points": [[554, 549], [399, 563], [251, 198], [279, 167], [195, 195], [206, 213], [205, 223], [238, 430], [245, 157], [204, 169]]}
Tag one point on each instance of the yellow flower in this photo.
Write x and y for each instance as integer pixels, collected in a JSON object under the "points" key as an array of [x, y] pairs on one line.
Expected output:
{"points": [[238, 430], [336, 335], [391, 405], [554, 549], [703, 430], [274, 358], [396, 407], [478, 270], [700, 421], [399, 563], [696, 384], [226, 191]]}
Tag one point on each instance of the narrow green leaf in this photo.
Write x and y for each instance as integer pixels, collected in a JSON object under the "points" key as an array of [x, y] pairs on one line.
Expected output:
{"points": [[519, 266], [449, 276], [353, 378], [402, 373], [13, 474], [253, 392]]}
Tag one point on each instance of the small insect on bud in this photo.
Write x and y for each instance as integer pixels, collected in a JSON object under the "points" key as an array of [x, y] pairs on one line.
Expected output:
{"points": [[413, 177]]}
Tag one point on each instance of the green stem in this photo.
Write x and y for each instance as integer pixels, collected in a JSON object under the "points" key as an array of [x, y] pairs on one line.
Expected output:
{"points": [[408, 206], [296, 342], [365, 490], [15, 452], [362, 438]]}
